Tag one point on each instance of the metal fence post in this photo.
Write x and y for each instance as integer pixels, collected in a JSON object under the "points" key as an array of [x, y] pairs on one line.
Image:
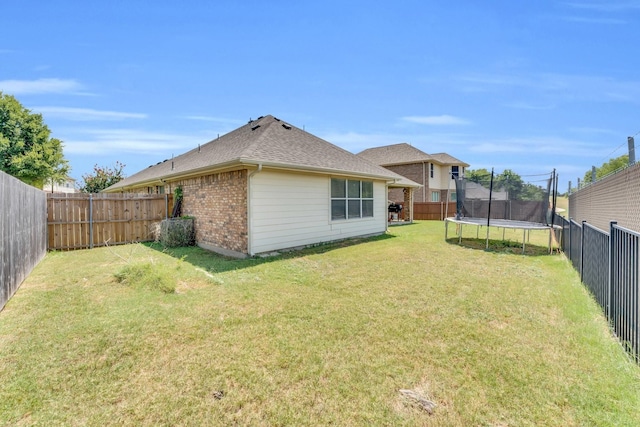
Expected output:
{"points": [[570, 248], [612, 245], [582, 251]]}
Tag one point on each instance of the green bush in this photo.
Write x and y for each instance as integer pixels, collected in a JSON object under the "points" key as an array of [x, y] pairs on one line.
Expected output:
{"points": [[147, 276]]}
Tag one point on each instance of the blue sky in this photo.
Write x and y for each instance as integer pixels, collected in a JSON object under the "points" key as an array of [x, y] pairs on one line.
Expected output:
{"points": [[522, 85]]}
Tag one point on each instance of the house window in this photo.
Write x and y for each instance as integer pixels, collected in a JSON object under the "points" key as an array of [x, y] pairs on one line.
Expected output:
{"points": [[431, 173], [435, 196], [455, 170], [351, 199], [454, 196]]}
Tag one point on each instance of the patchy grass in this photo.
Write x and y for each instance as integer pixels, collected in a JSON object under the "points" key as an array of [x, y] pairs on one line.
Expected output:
{"points": [[147, 276], [324, 336], [562, 202]]}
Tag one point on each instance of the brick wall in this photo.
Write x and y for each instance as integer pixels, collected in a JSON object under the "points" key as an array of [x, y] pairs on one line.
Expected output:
{"points": [[218, 202], [415, 173], [614, 198]]}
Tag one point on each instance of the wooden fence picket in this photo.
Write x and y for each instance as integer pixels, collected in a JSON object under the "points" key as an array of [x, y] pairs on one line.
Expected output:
{"points": [[82, 221]]}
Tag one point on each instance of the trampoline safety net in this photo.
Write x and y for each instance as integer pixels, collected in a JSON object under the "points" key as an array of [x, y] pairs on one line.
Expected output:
{"points": [[506, 196]]}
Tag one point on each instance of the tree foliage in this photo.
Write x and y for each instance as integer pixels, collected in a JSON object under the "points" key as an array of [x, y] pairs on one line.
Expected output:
{"points": [[479, 176], [608, 168], [508, 181], [101, 178], [26, 149]]}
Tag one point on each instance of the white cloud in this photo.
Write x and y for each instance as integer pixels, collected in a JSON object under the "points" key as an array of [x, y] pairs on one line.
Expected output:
{"points": [[557, 87], [127, 141], [606, 6], [356, 142], [592, 130], [537, 145], [584, 20], [86, 114], [214, 119], [40, 86], [528, 106], [436, 120]]}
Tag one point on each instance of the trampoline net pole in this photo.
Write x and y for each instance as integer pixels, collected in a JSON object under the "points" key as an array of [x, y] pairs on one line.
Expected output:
{"points": [[489, 208]]}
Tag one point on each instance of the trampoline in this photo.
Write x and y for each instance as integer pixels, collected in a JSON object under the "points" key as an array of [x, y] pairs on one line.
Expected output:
{"points": [[510, 203]]}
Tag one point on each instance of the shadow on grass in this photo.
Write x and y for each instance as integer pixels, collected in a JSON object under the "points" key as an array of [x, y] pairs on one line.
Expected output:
{"points": [[502, 246], [216, 263]]}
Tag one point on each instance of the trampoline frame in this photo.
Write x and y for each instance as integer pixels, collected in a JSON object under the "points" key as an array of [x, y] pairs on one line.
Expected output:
{"points": [[499, 223], [460, 220]]}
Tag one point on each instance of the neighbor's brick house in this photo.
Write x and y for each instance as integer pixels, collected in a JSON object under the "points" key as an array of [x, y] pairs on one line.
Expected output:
{"points": [[268, 186], [433, 171]]}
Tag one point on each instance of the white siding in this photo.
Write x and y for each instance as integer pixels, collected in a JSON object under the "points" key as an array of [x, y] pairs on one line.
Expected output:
{"points": [[288, 210], [435, 183]]}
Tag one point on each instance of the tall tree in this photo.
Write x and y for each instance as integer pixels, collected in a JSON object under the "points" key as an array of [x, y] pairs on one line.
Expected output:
{"points": [[509, 181], [101, 178], [608, 167], [480, 176], [27, 150]]}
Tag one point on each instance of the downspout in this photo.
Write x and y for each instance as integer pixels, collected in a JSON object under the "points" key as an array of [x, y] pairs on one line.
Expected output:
{"points": [[250, 212]]}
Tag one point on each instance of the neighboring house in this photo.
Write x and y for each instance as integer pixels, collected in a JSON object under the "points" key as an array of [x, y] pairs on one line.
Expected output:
{"points": [[268, 186], [476, 191], [67, 186], [433, 171]]}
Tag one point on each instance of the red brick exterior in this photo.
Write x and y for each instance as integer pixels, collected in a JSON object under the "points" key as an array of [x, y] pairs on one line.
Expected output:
{"points": [[218, 202], [416, 172]]}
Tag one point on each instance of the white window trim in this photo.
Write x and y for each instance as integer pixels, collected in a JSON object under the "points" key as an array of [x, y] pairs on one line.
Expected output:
{"points": [[347, 199]]}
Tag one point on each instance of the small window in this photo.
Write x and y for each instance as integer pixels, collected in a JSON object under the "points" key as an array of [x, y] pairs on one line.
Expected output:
{"points": [[455, 171], [431, 173], [454, 196], [351, 199], [435, 196]]}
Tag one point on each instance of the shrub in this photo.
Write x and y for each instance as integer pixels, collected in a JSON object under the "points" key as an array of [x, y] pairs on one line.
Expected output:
{"points": [[177, 232]]}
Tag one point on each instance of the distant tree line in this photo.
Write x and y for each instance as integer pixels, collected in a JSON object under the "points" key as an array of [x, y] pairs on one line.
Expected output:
{"points": [[508, 181]]}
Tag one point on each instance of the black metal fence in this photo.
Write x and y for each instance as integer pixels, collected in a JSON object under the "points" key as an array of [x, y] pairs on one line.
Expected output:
{"points": [[609, 267], [23, 227]]}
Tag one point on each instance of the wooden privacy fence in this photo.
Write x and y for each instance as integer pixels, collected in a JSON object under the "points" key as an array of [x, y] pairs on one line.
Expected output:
{"points": [[433, 210], [81, 221], [23, 231]]}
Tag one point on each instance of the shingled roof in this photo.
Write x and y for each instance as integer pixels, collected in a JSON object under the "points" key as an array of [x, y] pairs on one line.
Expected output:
{"points": [[394, 155], [400, 154], [269, 142], [447, 159]]}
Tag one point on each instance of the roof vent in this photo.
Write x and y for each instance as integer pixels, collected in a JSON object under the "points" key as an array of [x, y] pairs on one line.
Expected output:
{"points": [[255, 127], [286, 126]]}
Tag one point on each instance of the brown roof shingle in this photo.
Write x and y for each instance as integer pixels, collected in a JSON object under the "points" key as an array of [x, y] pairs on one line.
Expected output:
{"points": [[268, 141], [399, 154]]}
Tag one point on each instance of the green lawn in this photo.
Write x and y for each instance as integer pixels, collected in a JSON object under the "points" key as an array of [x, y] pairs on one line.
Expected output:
{"points": [[326, 336]]}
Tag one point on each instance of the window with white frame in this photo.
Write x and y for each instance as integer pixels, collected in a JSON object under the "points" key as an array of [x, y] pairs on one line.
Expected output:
{"points": [[351, 199], [435, 196]]}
